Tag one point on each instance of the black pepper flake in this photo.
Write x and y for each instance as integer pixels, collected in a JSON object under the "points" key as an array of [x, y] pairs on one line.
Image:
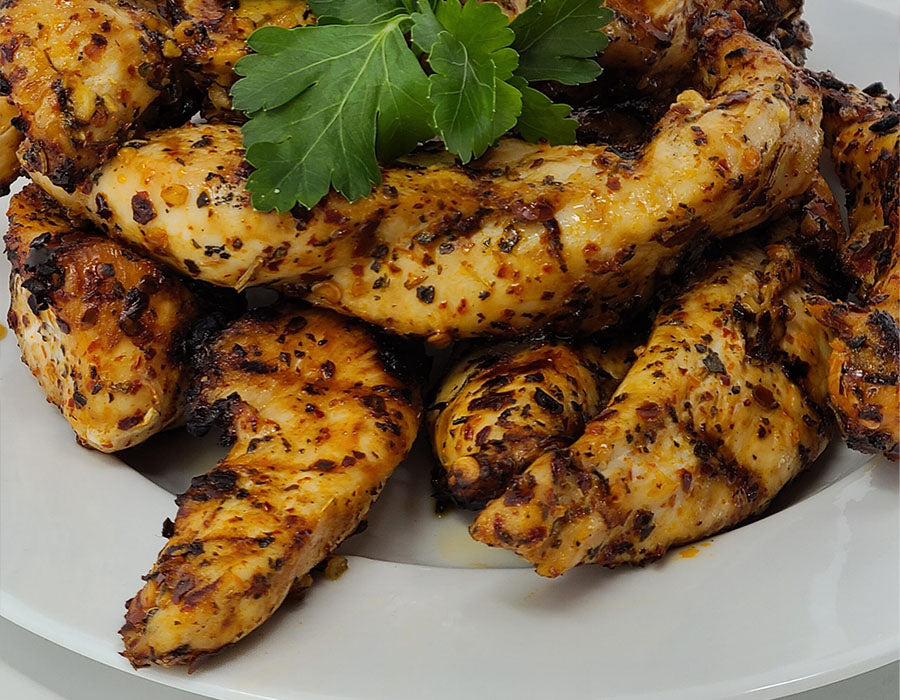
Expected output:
{"points": [[142, 210], [168, 528], [886, 123], [547, 402], [41, 240], [328, 369], [80, 399], [107, 270], [203, 199], [714, 363], [425, 294]]}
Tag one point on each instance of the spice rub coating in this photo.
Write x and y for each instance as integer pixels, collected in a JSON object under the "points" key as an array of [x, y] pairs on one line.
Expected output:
{"points": [[723, 406], [501, 406], [317, 417], [100, 327], [864, 377], [80, 73], [530, 236]]}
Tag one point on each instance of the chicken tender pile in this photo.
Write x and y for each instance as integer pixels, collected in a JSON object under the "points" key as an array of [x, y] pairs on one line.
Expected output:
{"points": [[654, 330]]}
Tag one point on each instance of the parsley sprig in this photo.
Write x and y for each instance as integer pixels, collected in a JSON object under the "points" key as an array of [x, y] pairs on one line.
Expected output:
{"points": [[373, 78]]}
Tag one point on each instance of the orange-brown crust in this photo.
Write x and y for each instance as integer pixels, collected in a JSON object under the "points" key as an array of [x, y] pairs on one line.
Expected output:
{"points": [[100, 327], [317, 416]]}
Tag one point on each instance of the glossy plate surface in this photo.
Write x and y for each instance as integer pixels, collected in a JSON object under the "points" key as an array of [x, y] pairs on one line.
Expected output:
{"points": [[800, 598]]}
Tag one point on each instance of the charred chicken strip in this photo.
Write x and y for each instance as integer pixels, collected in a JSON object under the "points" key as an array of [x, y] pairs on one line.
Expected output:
{"points": [[532, 235], [653, 39], [723, 406], [317, 419], [99, 327], [864, 377], [502, 406], [81, 73]]}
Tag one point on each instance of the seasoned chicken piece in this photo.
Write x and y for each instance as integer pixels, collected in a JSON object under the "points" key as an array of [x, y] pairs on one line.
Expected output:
{"points": [[211, 34], [10, 138], [100, 327], [864, 377], [652, 44], [318, 418], [80, 72], [501, 406], [561, 234], [723, 406], [650, 41]]}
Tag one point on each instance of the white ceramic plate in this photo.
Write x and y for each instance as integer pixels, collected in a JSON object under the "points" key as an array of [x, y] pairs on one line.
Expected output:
{"points": [[800, 598]]}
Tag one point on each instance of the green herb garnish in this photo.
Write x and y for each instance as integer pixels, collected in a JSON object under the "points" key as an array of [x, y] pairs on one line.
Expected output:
{"points": [[327, 102]]}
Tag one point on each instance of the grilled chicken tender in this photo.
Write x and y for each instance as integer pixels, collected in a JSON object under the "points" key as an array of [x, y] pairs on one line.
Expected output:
{"points": [[99, 327], [653, 39], [502, 406], [211, 35], [864, 381], [318, 420], [563, 233], [80, 72], [722, 407], [10, 138]]}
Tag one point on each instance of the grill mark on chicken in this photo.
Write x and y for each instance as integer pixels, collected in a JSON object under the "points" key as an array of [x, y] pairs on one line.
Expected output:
{"points": [[100, 327], [550, 389], [610, 250], [685, 448], [310, 452]]}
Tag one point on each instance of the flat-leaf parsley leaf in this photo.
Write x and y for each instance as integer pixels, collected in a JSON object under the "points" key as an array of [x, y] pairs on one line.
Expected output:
{"points": [[357, 11], [374, 78], [558, 40], [332, 97], [472, 62], [542, 118]]}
